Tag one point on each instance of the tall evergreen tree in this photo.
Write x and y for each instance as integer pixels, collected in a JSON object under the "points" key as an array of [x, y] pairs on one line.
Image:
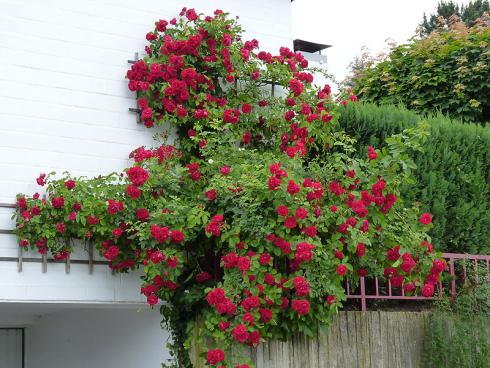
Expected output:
{"points": [[474, 10], [446, 9]]}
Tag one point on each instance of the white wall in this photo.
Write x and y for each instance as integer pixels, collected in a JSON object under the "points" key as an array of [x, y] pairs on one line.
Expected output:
{"points": [[31, 285], [63, 97], [64, 107], [87, 336], [96, 338]]}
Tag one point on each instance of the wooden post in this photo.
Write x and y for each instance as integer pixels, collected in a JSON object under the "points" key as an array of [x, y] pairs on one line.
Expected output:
{"points": [[90, 258], [19, 262], [363, 294], [67, 264], [45, 263], [453, 278]]}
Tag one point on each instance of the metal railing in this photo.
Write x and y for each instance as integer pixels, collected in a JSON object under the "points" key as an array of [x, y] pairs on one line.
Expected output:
{"points": [[456, 275], [44, 260], [368, 288]]}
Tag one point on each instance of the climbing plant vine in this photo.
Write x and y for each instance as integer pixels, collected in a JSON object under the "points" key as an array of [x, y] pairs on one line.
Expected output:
{"points": [[249, 225]]}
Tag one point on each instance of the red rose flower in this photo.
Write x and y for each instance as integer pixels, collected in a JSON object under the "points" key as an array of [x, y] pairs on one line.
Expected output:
{"points": [[203, 277], [60, 227], [133, 192], [111, 253], [393, 254], [250, 303], [310, 231], [113, 206], [160, 234], [211, 194], [177, 236], [243, 263], [360, 250], [341, 270], [137, 175], [290, 223], [293, 188], [41, 179], [282, 210], [58, 202], [254, 340], [152, 299], [274, 182], [93, 220], [117, 232], [265, 315], [296, 86], [301, 285], [70, 184], [428, 290], [301, 213], [372, 153], [142, 214], [265, 259], [301, 306], [425, 218], [215, 356], [240, 333], [247, 137], [246, 108], [225, 170], [223, 326]]}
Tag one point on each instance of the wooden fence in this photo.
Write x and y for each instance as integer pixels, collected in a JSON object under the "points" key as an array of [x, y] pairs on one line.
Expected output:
{"points": [[354, 340]]}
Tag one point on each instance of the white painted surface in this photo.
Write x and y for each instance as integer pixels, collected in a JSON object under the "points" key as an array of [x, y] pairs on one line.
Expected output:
{"points": [[61, 336], [63, 97], [31, 285], [64, 107]]}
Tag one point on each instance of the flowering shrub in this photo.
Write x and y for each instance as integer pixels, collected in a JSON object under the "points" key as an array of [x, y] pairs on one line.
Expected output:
{"points": [[446, 71], [255, 219]]}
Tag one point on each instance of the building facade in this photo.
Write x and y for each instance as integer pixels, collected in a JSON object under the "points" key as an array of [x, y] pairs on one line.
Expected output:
{"points": [[64, 106]]}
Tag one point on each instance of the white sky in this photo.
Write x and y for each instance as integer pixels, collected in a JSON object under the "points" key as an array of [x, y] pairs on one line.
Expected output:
{"points": [[348, 25]]}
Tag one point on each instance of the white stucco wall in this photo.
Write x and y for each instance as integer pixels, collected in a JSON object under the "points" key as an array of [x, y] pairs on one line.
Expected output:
{"points": [[64, 107], [95, 336], [63, 97]]}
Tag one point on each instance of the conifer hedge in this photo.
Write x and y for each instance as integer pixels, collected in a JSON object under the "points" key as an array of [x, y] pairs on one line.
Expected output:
{"points": [[452, 175]]}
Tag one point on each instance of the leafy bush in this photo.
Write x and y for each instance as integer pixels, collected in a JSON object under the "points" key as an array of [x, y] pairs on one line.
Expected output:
{"points": [[452, 175], [448, 71]]}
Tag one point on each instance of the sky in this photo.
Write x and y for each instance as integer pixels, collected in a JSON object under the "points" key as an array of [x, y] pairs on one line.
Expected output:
{"points": [[348, 25]]}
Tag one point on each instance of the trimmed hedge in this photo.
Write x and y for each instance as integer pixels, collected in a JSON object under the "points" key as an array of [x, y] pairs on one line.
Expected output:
{"points": [[453, 172]]}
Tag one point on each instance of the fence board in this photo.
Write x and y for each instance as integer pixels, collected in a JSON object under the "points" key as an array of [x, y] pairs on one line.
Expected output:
{"points": [[374, 339], [354, 340]]}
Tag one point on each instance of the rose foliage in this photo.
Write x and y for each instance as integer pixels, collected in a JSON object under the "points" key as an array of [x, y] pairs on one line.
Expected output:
{"points": [[256, 217]]}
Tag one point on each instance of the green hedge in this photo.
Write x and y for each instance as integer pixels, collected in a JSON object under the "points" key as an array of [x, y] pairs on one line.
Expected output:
{"points": [[453, 172], [457, 332]]}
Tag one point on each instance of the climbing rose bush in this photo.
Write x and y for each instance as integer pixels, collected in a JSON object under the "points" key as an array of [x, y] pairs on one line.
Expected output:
{"points": [[251, 223]]}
